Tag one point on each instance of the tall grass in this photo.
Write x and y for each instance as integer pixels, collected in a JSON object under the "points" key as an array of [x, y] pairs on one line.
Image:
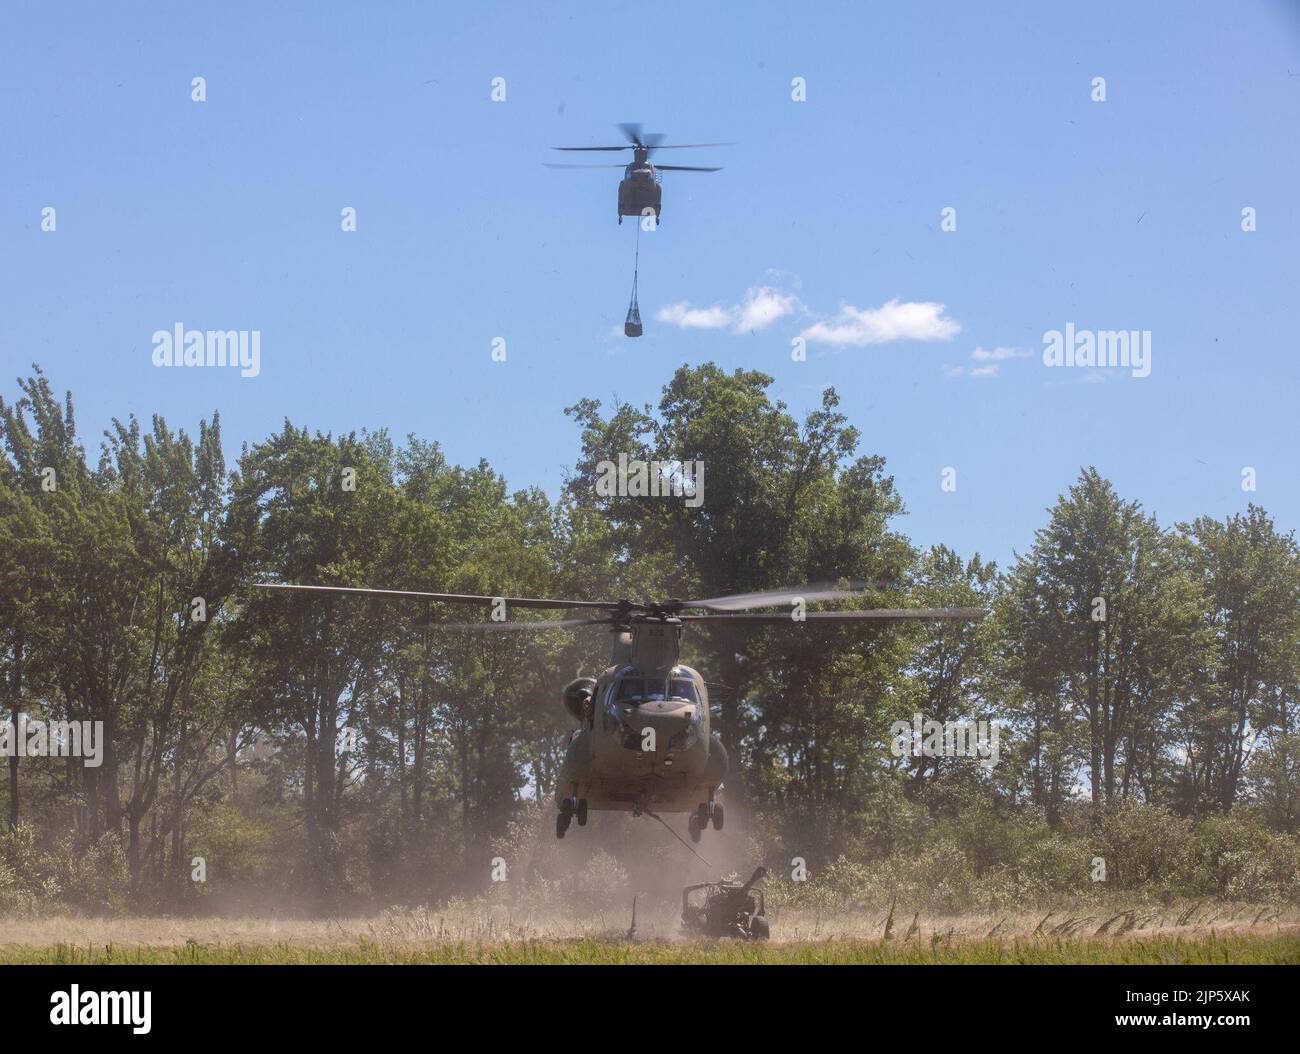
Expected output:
{"points": [[1210, 948]]}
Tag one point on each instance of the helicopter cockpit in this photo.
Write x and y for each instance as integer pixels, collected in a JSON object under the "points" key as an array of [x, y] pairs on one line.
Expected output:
{"points": [[631, 687]]}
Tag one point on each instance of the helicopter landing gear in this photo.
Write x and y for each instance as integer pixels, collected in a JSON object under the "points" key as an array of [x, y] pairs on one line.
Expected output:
{"points": [[569, 808], [620, 219], [710, 811], [695, 827]]}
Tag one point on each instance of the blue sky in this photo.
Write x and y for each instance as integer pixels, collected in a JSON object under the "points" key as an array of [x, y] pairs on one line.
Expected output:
{"points": [[1123, 214]]}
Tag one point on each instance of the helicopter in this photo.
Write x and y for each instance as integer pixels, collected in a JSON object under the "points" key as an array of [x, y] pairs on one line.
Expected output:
{"points": [[643, 742], [640, 193]]}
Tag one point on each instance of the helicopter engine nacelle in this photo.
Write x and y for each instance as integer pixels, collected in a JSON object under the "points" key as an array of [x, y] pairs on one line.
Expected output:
{"points": [[577, 697]]}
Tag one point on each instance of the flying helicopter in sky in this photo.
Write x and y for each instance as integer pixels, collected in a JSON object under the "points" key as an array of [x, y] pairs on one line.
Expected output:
{"points": [[643, 741], [640, 192]]}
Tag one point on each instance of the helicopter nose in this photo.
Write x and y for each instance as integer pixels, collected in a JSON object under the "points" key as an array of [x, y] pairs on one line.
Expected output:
{"points": [[666, 717]]}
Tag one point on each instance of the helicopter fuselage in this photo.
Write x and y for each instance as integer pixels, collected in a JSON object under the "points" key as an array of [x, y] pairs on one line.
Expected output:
{"points": [[644, 742], [639, 193]]}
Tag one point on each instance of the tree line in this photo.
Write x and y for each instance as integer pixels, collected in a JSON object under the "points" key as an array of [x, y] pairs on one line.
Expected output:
{"points": [[334, 747]]}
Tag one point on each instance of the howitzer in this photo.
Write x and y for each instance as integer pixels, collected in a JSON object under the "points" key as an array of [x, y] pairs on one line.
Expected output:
{"points": [[727, 909]]}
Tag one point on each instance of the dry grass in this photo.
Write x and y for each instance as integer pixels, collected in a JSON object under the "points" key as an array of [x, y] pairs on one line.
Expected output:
{"points": [[1241, 947], [480, 924]]}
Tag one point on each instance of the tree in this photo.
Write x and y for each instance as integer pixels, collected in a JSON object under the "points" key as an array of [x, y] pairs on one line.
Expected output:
{"points": [[1115, 624], [1250, 684]]}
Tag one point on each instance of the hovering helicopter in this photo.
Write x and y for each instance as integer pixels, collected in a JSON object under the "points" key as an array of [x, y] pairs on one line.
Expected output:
{"points": [[640, 193], [643, 741]]}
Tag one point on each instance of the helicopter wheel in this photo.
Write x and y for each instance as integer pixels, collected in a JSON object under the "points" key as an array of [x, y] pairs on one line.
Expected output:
{"points": [[717, 816], [701, 817], [582, 812], [561, 824], [694, 827]]}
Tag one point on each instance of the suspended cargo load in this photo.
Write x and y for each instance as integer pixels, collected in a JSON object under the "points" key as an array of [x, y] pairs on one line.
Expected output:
{"points": [[632, 326]]}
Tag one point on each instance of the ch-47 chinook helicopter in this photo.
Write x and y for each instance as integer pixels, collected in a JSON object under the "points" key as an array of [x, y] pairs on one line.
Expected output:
{"points": [[643, 741], [639, 193]]}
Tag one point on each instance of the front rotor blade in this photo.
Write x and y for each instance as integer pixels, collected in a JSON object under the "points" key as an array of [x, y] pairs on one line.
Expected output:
{"points": [[685, 168], [633, 133], [843, 616], [552, 164], [769, 598], [450, 598], [591, 148]]}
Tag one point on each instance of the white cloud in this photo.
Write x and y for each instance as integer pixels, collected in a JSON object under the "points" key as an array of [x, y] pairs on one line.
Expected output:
{"points": [[761, 306], [998, 354], [892, 321], [688, 317], [989, 362]]}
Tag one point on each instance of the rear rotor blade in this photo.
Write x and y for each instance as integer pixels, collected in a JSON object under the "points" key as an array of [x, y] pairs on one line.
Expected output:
{"points": [[842, 616], [449, 598], [685, 168], [633, 133], [551, 164], [571, 148]]}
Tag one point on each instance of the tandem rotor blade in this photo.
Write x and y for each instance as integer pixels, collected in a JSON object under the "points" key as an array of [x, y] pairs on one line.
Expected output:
{"points": [[450, 598], [842, 616], [686, 168], [770, 598], [593, 148], [552, 164]]}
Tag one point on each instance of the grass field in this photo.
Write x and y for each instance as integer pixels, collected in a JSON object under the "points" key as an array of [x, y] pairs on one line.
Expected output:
{"points": [[474, 932], [1238, 947]]}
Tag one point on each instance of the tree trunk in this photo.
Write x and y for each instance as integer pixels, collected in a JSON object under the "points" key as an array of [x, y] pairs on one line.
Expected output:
{"points": [[15, 707]]}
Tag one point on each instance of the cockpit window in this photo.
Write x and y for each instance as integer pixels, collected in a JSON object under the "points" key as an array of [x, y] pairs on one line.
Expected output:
{"points": [[654, 689]]}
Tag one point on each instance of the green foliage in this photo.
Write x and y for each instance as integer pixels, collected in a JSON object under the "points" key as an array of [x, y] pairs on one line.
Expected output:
{"points": [[326, 751]]}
